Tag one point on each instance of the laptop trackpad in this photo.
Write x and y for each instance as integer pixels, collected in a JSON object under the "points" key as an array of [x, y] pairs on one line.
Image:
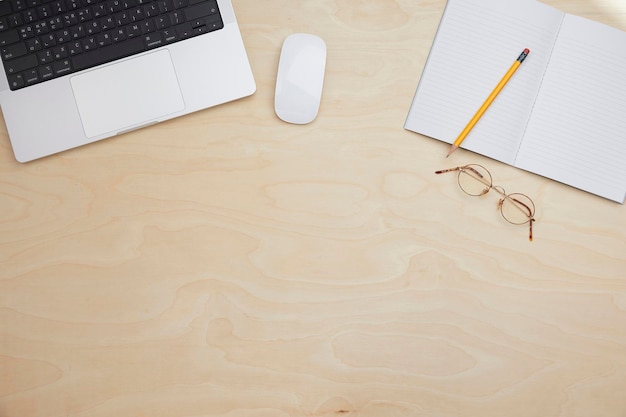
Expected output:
{"points": [[128, 94]]}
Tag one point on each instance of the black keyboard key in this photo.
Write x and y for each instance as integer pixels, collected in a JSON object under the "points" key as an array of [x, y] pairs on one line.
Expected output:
{"points": [[169, 35], [89, 44], [203, 9], [60, 52], [184, 31], [214, 22], [21, 64], [150, 10], [99, 10], [177, 18], [29, 16], [15, 20], [5, 8], [118, 35], [107, 23], [137, 15], [114, 6], [58, 7], [45, 57], [107, 54], [33, 45], [153, 40], [44, 11], [72, 4], [13, 51], [19, 5], [55, 23], [46, 72], [31, 77], [161, 22], [9, 37], [49, 40], [103, 39], [166, 6], [62, 67], [41, 28], [75, 48], [16, 81], [148, 26]]}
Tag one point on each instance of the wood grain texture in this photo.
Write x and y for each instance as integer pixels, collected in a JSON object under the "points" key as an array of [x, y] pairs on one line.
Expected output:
{"points": [[229, 264]]}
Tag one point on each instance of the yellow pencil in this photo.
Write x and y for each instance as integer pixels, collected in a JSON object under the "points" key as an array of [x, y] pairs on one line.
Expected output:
{"points": [[489, 100]]}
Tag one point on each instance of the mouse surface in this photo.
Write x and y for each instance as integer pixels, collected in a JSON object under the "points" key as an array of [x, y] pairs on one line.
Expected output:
{"points": [[300, 78]]}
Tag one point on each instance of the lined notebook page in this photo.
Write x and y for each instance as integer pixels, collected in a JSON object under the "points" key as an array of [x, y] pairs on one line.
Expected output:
{"points": [[576, 133], [476, 43]]}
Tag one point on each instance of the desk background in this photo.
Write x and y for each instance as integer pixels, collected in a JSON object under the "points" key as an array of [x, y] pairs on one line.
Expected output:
{"points": [[229, 264]]}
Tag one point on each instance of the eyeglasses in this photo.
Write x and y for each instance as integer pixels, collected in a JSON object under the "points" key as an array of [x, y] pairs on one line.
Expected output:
{"points": [[475, 180]]}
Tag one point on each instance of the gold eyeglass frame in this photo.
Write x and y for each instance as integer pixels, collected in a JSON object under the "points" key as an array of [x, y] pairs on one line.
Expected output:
{"points": [[527, 209]]}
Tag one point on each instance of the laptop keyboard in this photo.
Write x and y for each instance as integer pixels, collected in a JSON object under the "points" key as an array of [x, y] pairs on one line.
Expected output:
{"points": [[44, 39]]}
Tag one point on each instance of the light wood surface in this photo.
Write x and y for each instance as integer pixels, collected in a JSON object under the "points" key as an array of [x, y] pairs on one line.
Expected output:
{"points": [[229, 264]]}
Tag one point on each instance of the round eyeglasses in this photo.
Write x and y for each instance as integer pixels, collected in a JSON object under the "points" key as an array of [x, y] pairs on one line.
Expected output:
{"points": [[475, 180]]}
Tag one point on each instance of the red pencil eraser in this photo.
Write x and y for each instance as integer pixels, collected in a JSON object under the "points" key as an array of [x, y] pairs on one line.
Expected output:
{"points": [[526, 51]]}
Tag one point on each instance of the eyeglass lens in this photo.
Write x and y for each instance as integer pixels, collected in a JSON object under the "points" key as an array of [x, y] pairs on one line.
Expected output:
{"points": [[517, 208], [476, 180]]}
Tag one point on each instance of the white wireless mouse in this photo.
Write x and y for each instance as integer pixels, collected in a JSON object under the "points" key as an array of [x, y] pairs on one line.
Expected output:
{"points": [[300, 78]]}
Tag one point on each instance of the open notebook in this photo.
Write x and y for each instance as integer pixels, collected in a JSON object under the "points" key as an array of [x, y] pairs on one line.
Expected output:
{"points": [[562, 115]]}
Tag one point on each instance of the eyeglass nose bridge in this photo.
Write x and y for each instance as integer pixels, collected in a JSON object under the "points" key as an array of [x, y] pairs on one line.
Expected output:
{"points": [[500, 191]]}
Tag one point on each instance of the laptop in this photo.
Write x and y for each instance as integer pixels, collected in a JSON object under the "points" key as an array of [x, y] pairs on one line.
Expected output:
{"points": [[78, 71]]}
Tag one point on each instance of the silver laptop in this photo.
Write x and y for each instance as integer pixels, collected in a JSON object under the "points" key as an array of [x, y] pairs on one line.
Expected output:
{"points": [[77, 71]]}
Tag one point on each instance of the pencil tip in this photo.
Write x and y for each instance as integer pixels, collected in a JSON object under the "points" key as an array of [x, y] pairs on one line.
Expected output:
{"points": [[452, 149]]}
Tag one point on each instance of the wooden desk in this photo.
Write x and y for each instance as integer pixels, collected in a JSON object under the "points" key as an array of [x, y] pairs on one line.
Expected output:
{"points": [[229, 264]]}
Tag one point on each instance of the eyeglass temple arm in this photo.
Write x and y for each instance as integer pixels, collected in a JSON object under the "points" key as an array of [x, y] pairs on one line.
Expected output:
{"points": [[461, 168], [443, 171], [531, 219]]}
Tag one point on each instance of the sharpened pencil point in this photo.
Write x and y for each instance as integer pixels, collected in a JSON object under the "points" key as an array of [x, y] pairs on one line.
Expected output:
{"points": [[452, 149]]}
